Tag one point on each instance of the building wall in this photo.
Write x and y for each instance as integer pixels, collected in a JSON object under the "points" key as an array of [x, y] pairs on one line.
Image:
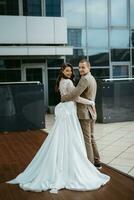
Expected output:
{"points": [[101, 31]]}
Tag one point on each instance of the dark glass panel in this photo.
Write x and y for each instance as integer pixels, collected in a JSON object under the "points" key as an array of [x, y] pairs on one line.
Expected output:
{"points": [[120, 71], [53, 8], [9, 7], [99, 59], [54, 62], [10, 75], [10, 63], [32, 7], [100, 73], [120, 55], [54, 97]]}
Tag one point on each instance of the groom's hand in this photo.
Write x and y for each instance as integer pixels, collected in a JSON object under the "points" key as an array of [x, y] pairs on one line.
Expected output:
{"points": [[63, 98]]}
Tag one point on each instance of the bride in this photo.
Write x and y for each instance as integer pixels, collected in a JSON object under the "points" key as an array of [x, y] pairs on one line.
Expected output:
{"points": [[61, 162]]}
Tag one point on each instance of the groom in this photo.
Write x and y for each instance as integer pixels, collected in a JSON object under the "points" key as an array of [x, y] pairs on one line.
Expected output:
{"points": [[86, 88]]}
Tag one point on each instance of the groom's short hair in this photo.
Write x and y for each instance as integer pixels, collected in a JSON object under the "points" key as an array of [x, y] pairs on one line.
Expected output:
{"points": [[85, 61]]}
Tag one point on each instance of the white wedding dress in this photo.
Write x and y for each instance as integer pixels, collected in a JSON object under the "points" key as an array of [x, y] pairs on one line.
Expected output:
{"points": [[61, 162]]}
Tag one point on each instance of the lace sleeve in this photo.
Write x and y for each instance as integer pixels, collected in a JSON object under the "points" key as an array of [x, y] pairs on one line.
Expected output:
{"points": [[70, 87]]}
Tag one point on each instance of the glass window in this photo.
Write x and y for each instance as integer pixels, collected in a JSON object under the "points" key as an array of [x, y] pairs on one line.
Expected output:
{"points": [[54, 63], [120, 54], [76, 75], [98, 38], [132, 38], [133, 57], [74, 37], [8, 7], [133, 72], [119, 38], [53, 8], [78, 54], [34, 74], [74, 11], [10, 63], [32, 7], [120, 71], [132, 12], [100, 73], [30, 60], [98, 57], [97, 13], [10, 75], [119, 12], [54, 97]]}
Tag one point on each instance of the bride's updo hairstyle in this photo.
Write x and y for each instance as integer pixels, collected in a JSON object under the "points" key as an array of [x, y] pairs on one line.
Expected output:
{"points": [[61, 75]]}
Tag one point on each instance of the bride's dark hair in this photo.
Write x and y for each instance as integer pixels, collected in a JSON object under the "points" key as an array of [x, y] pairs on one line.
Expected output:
{"points": [[61, 75]]}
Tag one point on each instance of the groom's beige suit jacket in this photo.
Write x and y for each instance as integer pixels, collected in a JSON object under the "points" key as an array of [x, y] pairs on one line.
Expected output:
{"points": [[86, 88]]}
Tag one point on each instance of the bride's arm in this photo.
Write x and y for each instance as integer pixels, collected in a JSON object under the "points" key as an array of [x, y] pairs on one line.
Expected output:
{"points": [[79, 99]]}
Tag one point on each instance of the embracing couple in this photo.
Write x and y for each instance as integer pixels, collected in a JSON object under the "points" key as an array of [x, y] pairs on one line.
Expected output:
{"points": [[69, 157]]}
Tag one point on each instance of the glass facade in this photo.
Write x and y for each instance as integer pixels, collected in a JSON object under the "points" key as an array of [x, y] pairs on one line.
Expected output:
{"points": [[120, 55], [74, 11], [119, 15], [97, 12], [119, 38], [98, 57], [97, 38], [132, 13], [105, 31]]}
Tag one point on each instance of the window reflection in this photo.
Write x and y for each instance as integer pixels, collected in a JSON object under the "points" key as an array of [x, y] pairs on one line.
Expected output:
{"points": [[77, 75], [97, 13], [120, 55], [119, 38], [119, 12], [132, 38], [132, 12], [120, 71], [133, 57], [100, 73], [133, 72], [74, 11], [98, 57], [98, 38], [54, 97], [78, 54]]}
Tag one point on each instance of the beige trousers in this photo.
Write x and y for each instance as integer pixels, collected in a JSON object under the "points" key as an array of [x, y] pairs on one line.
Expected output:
{"points": [[87, 126]]}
